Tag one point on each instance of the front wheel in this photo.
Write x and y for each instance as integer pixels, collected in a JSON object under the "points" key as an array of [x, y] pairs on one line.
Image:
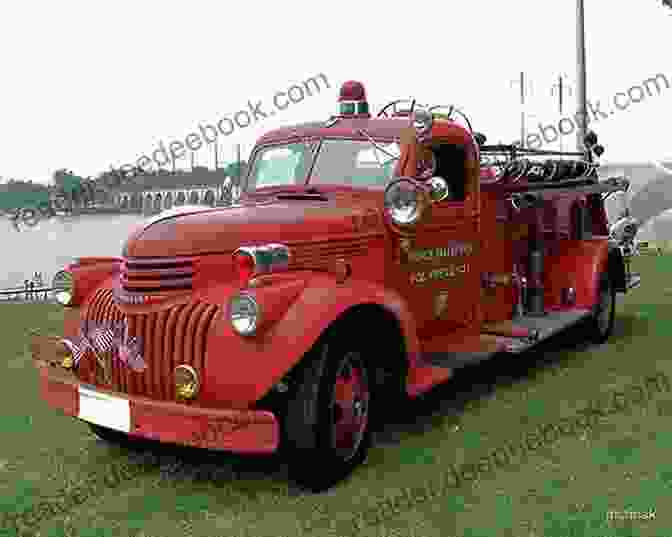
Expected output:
{"points": [[327, 425], [116, 438], [601, 323]]}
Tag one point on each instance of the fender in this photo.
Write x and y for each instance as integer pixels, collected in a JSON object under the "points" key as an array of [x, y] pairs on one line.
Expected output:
{"points": [[89, 272], [577, 264], [93, 280], [617, 269], [262, 360]]}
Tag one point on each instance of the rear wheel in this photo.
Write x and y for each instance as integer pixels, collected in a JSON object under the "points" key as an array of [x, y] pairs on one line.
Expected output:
{"points": [[601, 323], [327, 425]]}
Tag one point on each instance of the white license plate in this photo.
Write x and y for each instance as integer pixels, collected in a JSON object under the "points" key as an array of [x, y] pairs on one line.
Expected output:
{"points": [[104, 410]]}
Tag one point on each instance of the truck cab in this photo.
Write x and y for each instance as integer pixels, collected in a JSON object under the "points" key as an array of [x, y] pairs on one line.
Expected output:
{"points": [[367, 259]]}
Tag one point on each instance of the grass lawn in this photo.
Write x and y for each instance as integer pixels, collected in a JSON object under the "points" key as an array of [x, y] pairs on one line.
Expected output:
{"points": [[66, 482]]}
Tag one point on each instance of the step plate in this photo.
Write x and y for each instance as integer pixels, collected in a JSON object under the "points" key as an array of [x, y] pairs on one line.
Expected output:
{"points": [[546, 326]]}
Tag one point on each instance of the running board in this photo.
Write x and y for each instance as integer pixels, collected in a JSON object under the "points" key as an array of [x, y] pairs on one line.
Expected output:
{"points": [[506, 328], [542, 328], [539, 328]]}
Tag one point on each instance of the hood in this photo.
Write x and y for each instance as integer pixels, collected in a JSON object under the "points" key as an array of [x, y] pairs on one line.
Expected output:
{"points": [[189, 231]]}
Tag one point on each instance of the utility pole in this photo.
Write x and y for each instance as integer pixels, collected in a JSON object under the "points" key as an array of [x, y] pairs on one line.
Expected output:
{"points": [[522, 109], [523, 92], [561, 87], [582, 116]]}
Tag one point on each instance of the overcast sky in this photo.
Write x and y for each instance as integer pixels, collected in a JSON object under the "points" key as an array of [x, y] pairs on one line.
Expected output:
{"points": [[87, 85]]}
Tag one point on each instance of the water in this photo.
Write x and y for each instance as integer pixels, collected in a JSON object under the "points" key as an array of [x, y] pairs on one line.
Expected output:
{"points": [[52, 244]]}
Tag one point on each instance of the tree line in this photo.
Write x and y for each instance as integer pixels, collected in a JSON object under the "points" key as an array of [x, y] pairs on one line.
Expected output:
{"points": [[69, 191]]}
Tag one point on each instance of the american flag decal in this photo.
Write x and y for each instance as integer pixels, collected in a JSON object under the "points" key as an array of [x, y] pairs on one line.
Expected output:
{"points": [[79, 347], [103, 339], [129, 353]]}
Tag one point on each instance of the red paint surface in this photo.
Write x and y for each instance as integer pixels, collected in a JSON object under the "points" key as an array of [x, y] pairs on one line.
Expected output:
{"points": [[350, 228], [229, 430]]}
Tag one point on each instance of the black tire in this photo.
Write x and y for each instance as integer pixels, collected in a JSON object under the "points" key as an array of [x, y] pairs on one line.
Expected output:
{"points": [[601, 324], [313, 417]]}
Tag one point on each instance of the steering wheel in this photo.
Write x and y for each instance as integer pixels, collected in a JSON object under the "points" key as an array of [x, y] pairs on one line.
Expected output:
{"points": [[385, 113], [452, 109]]}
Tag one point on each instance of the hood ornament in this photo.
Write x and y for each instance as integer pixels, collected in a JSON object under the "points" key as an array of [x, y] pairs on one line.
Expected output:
{"points": [[175, 211]]}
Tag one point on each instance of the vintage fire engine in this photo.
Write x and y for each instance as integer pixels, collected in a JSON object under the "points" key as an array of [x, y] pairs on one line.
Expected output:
{"points": [[367, 259]]}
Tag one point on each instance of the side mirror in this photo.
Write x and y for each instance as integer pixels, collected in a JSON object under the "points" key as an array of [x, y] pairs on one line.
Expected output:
{"points": [[480, 138]]}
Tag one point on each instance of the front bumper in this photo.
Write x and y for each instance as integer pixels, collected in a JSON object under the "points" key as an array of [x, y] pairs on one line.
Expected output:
{"points": [[239, 431]]}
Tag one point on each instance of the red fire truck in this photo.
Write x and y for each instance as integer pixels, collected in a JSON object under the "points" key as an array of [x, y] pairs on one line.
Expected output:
{"points": [[368, 259]]}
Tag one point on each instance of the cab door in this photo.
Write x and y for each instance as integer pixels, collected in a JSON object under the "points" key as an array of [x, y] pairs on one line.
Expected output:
{"points": [[438, 262]]}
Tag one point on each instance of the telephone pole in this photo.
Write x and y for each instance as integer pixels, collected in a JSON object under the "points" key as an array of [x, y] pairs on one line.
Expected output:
{"points": [[561, 88], [522, 82], [582, 115]]}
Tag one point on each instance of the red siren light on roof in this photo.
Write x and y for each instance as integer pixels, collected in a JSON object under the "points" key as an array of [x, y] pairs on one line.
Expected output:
{"points": [[352, 99]]}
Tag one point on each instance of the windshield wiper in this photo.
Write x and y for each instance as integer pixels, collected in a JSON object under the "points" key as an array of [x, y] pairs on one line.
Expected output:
{"points": [[310, 145]]}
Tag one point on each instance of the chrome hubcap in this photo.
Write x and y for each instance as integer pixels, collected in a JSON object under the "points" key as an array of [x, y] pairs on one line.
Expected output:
{"points": [[350, 406]]}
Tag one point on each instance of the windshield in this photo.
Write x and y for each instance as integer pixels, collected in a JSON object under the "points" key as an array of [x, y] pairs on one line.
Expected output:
{"points": [[344, 162], [281, 165]]}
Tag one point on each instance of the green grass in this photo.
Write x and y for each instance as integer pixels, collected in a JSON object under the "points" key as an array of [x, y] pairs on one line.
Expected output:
{"points": [[563, 488]]}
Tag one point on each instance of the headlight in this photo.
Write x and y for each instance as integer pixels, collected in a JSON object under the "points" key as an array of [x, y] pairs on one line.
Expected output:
{"points": [[625, 229], [245, 314], [64, 288], [405, 202]]}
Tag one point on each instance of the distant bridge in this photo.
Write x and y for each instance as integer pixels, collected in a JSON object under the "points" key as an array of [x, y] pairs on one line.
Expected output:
{"points": [[157, 200]]}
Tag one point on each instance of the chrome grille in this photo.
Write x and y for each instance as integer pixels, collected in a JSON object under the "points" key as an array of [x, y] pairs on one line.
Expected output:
{"points": [[323, 253], [169, 338], [159, 274]]}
